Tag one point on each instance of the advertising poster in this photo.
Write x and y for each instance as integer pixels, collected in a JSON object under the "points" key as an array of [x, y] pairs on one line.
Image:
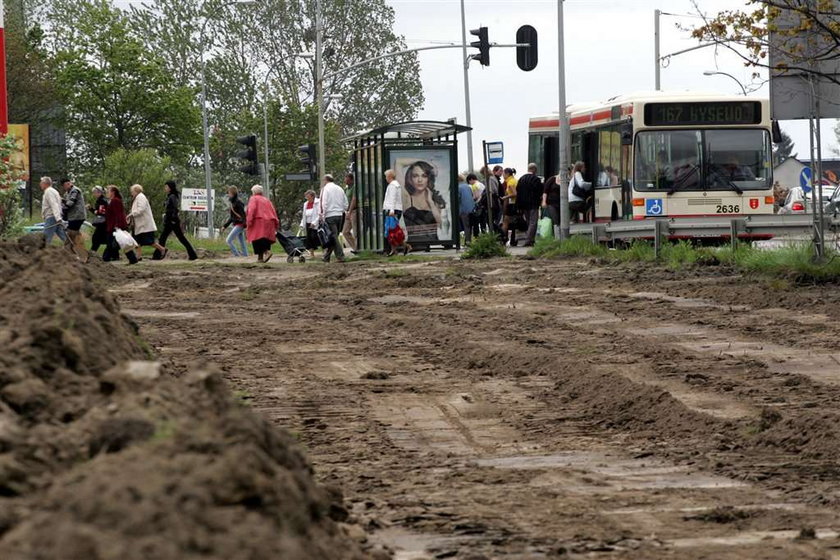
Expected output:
{"points": [[20, 159], [426, 179]]}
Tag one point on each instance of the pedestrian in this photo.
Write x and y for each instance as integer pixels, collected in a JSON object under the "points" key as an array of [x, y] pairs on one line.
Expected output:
{"points": [[74, 213], [466, 204], [580, 193], [51, 212], [261, 224], [172, 222], [529, 192], [551, 198], [237, 220], [332, 204], [349, 228], [98, 209], [509, 206], [115, 218], [392, 204], [144, 223], [309, 221]]}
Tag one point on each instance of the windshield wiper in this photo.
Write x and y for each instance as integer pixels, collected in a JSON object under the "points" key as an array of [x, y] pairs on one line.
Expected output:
{"points": [[684, 177], [734, 187]]}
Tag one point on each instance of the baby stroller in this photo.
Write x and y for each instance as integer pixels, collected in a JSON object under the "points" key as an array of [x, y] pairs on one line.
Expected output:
{"points": [[293, 245]]}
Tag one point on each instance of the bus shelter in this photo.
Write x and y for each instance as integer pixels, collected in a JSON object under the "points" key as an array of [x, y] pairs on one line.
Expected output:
{"points": [[424, 156]]}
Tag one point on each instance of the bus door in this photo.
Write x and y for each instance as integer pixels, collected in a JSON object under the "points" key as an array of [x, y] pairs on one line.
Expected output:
{"points": [[551, 154], [590, 158]]}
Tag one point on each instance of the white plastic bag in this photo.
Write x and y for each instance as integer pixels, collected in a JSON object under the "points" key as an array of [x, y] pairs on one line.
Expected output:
{"points": [[124, 239]]}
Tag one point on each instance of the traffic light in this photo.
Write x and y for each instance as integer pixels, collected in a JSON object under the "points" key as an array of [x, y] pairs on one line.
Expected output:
{"points": [[483, 46], [249, 155], [526, 56], [308, 157]]}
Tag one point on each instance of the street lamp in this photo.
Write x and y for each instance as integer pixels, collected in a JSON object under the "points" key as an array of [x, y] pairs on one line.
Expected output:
{"points": [[208, 182], [714, 73]]}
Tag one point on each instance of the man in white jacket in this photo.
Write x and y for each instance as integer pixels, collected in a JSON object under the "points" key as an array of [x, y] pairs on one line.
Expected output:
{"points": [[333, 204], [51, 212]]}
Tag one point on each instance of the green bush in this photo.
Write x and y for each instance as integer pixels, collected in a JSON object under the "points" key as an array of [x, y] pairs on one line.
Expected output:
{"points": [[11, 215], [638, 251], [678, 255], [485, 246], [575, 246]]}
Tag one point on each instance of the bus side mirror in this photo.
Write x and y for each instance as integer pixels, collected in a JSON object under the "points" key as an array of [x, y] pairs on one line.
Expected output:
{"points": [[776, 132], [627, 134]]}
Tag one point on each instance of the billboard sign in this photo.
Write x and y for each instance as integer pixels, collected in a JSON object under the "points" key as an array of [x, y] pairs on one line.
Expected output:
{"points": [[20, 159], [195, 200]]}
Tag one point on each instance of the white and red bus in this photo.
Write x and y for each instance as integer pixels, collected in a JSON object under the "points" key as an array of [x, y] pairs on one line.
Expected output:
{"points": [[668, 154]]}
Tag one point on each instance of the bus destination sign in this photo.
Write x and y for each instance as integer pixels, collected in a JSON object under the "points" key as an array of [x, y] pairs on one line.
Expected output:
{"points": [[699, 113]]}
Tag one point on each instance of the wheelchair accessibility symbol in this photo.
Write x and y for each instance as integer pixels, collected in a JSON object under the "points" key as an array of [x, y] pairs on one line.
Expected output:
{"points": [[653, 206]]}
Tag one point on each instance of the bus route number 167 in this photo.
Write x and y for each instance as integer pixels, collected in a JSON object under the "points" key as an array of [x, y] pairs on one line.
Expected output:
{"points": [[728, 209]]}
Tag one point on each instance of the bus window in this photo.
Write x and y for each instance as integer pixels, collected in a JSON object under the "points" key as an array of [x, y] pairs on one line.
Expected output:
{"points": [[668, 160], [536, 149], [740, 157]]}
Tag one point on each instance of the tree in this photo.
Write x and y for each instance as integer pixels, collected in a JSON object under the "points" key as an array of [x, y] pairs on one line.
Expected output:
{"points": [[783, 149], [254, 62], [747, 33], [11, 218], [145, 167], [118, 94]]}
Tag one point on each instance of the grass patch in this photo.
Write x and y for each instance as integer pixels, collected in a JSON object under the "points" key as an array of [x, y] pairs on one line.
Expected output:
{"points": [[485, 246], [575, 246], [795, 263], [396, 273]]}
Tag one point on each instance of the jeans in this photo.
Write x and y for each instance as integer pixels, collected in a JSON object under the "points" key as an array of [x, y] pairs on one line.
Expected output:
{"points": [[237, 233], [334, 223], [54, 227]]}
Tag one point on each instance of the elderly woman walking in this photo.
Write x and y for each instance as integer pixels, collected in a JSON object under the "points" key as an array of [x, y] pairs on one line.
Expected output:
{"points": [[261, 224], [309, 220], [144, 223], [115, 219], [100, 228]]}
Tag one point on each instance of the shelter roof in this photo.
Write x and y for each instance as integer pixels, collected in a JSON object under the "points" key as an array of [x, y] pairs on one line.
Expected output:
{"points": [[415, 129]]}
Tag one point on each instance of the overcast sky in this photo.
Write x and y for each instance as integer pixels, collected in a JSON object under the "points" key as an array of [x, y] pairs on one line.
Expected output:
{"points": [[609, 51]]}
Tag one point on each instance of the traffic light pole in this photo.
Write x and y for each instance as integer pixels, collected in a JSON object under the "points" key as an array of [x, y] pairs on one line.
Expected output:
{"points": [[563, 117], [319, 87], [467, 87]]}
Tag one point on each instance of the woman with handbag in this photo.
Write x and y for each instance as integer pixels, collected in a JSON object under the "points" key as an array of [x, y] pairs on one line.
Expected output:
{"points": [[309, 221], [580, 193], [100, 228], [115, 222]]}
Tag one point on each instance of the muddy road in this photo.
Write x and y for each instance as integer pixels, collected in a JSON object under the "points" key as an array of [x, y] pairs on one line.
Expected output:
{"points": [[530, 409]]}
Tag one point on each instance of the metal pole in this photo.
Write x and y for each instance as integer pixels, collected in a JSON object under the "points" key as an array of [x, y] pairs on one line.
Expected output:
{"points": [[467, 86], [817, 172], [4, 109], [266, 174], [319, 87], [563, 118], [656, 14], [208, 183]]}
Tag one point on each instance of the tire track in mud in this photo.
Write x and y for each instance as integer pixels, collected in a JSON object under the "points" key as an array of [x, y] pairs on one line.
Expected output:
{"points": [[453, 441]]}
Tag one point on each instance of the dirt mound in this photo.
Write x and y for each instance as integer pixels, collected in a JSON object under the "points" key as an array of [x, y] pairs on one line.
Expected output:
{"points": [[103, 455]]}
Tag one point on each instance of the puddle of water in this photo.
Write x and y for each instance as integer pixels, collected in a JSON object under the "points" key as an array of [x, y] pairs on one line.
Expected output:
{"points": [[687, 302], [154, 314], [746, 538], [615, 473]]}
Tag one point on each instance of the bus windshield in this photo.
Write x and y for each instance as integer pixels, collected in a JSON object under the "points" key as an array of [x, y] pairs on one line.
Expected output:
{"points": [[687, 160]]}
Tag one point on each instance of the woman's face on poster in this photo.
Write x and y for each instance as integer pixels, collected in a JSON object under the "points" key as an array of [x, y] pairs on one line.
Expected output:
{"points": [[419, 178]]}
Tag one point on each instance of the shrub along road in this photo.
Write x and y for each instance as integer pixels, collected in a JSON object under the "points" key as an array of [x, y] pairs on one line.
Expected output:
{"points": [[527, 408]]}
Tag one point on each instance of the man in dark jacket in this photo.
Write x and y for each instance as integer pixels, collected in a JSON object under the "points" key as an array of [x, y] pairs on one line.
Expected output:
{"points": [[528, 198], [172, 222], [73, 210]]}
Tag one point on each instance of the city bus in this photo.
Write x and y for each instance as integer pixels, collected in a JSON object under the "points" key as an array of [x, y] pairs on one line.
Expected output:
{"points": [[666, 154]]}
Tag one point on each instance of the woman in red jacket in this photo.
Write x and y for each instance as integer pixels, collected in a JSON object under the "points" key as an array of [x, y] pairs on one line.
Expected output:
{"points": [[261, 224]]}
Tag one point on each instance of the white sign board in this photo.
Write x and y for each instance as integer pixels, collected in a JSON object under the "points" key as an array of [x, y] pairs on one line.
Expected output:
{"points": [[495, 152], [804, 64], [195, 200]]}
